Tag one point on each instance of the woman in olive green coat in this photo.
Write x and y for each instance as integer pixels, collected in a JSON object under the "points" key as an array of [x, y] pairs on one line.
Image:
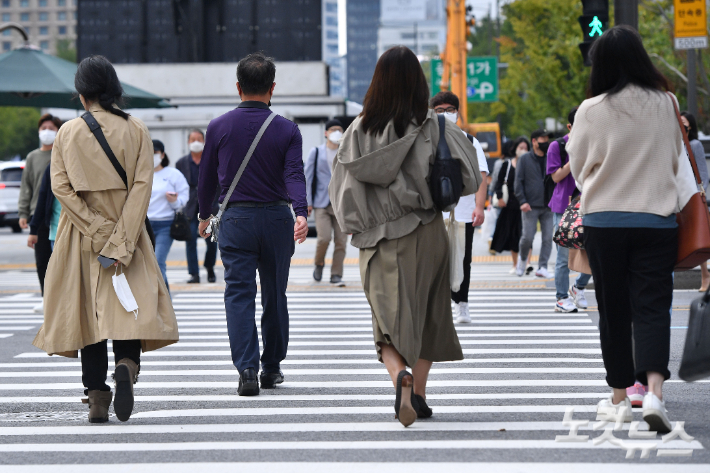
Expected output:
{"points": [[380, 194]]}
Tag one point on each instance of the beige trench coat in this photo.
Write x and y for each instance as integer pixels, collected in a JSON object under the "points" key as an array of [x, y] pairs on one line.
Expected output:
{"points": [[100, 217]]}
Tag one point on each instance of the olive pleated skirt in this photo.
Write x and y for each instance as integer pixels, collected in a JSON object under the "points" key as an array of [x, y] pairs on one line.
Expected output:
{"points": [[406, 282]]}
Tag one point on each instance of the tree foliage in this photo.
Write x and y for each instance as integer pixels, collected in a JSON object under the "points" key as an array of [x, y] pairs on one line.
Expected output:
{"points": [[18, 131]]}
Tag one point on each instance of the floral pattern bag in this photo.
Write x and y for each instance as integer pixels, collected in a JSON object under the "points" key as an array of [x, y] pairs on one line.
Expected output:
{"points": [[570, 232]]}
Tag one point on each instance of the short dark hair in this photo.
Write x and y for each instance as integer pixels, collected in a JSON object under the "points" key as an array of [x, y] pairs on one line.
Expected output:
{"points": [[196, 130], [571, 115], [444, 97], [619, 59], [521, 139], [398, 93], [97, 81], [693, 132], [48, 117], [256, 73]]}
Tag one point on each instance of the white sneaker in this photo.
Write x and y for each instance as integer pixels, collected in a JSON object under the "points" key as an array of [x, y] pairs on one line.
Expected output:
{"points": [[520, 268], [654, 413], [565, 305], [462, 315], [607, 410], [512, 270], [543, 273], [39, 308], [578, 298]]}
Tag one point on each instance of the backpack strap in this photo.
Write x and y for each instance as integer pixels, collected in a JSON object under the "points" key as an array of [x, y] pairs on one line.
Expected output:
{"points": [[96, 130], [314, 184]]}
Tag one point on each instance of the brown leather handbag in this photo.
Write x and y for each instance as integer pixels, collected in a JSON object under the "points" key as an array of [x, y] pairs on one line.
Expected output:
{"points": [[694, 219]]}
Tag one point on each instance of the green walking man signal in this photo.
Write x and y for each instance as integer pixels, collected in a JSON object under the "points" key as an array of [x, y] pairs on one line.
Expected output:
{"points": [[596, 27]]}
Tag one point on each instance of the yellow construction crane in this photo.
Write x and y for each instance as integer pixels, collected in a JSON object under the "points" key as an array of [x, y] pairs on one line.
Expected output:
{"points": [[459, 22]]}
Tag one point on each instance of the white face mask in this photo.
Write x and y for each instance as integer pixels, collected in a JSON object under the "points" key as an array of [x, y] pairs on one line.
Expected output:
{"points": [[520, 152], [157, 159], [334, 137], [196, 146], [124, 294], [452, 117], [46, 137]]}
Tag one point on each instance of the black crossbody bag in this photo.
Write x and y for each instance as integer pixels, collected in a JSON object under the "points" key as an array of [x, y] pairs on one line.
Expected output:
{"points": [[99, 135], [445, 181]]}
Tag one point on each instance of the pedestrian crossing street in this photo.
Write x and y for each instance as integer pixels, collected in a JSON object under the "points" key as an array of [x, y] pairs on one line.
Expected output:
{"points": [[503, 406]]}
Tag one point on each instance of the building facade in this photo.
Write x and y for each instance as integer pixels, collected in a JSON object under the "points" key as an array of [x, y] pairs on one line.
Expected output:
{"points": [[331, 56], [363, 18], [50, 24], [178, 31]]}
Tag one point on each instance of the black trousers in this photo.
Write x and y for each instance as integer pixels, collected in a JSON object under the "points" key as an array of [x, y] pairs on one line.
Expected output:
{"points": [[94, 361], [633, 281], [462, 295], [43, 250]]}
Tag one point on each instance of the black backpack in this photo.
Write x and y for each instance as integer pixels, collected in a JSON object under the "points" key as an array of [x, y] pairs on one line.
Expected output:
{"points": [[445, 180]]}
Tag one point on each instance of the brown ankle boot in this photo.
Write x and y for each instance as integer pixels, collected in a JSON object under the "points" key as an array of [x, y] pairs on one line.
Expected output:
{"points": [[99, 402], [125, 376]]}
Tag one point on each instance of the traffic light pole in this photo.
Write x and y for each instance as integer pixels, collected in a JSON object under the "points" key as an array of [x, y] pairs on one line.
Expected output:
{"points": [[626, 12], [692, 83]]}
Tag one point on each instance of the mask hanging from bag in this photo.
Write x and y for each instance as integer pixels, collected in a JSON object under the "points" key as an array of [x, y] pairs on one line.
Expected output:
{"points": [[124, 294]]}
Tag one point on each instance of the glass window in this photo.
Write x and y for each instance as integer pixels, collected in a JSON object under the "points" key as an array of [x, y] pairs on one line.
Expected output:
{"points": [[11, 175], [24, 17], [44, 45], [6, 17], [8, 33], [61, 3], [24, 3], [62, 30], [62, 16], [43, 31], [6, 3], [76, 15], [42, 3], [6, 46], [44, 16]]}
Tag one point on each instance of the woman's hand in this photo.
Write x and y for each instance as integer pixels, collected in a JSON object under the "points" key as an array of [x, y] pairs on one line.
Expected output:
{"points": [[32, 241], [501, 203], [171, 196]]}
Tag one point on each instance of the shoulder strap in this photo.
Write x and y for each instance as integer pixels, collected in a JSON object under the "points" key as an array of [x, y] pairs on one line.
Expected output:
{"points": [[442, 148], [96, 130], [243, 166], [507, 171], [314, 184], [688, 149], [563, 150]]}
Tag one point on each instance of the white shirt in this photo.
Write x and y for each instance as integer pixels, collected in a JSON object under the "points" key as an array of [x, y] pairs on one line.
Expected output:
{"points": [[167, 180], [467, 203], [330, 155]]}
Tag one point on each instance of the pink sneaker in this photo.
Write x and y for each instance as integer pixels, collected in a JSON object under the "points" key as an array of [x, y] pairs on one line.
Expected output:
{"points": [[636, 394]]}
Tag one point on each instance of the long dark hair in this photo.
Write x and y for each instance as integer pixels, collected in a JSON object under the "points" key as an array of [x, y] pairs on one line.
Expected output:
{"points": [[398, 92], [97, 81], [693, 132], [619, 59]]}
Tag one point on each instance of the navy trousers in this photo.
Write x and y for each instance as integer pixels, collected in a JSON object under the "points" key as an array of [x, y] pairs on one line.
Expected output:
{"points": [[251, 239]]}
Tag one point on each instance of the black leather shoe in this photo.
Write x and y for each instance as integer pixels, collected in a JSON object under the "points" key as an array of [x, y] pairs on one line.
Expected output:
{"points": [[318, 273], [194, 279], [270, 380], [248, 385], [420, 405], [210, 275]]}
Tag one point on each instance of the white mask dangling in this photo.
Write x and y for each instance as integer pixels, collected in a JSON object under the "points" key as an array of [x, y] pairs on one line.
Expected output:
{"points": [[124, 294]]}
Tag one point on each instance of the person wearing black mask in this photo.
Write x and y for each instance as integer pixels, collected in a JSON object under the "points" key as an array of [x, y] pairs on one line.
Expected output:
{"points": [[530, 192]]}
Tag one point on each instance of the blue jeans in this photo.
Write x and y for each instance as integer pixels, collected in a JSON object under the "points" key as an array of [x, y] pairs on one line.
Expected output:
{"points": [[252, 239], [191, 250], [562, 269], [163, 242]]}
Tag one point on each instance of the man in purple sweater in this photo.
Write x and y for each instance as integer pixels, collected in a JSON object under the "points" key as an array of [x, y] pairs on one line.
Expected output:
{"points": [[558, 166], [258, 229]]}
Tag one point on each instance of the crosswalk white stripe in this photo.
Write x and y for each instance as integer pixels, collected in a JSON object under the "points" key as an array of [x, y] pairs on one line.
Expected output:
{"points": [[209, 306], [224, 335], [328, 445], [180, 345], [315, 372], [5, 329], [528, 320], [5, 335], [227, 362]]}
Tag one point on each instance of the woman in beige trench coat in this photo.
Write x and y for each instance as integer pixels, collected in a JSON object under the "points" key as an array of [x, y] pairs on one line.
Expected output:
{"points": [[380, 194], [101, 217]]}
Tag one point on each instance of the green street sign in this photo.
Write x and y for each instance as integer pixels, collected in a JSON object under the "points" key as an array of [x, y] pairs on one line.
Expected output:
{"points": [[481, 78]]}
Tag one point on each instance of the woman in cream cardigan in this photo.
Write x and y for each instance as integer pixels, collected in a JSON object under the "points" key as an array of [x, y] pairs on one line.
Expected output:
{"points": [[625, 151]]}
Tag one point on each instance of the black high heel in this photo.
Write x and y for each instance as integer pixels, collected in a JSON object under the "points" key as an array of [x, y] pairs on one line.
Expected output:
{"points": [[420, 405], [403, 408]]}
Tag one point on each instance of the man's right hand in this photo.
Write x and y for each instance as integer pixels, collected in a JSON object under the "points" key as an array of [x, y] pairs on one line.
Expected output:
{"points": [[300, 229], [32, 241], [23, 223], [525, 207], [310, 209]]}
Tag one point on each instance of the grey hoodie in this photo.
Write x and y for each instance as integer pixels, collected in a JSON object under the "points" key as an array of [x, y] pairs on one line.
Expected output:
{"points": [[379, 187]]}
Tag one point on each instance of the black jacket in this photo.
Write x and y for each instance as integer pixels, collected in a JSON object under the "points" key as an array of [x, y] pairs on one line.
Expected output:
{"points": [[45, 201]]}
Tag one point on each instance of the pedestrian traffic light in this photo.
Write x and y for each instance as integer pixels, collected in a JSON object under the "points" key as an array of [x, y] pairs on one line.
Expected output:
{"points": [[594, 22]]}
